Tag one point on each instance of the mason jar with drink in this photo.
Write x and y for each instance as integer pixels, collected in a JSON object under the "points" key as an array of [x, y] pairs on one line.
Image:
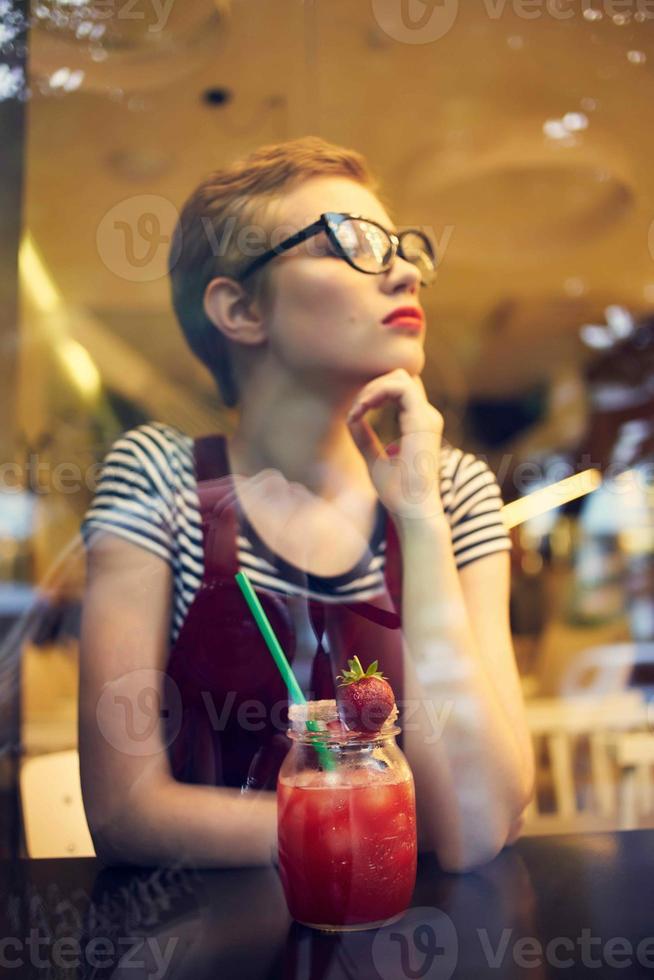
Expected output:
{"points": [[346, 809]]}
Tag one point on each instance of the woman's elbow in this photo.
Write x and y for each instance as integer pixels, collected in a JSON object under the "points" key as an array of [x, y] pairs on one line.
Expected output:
{"points": [[110, 848], [106, 853], [461, 862], [481, 849], [464, 860], [114, 836]]}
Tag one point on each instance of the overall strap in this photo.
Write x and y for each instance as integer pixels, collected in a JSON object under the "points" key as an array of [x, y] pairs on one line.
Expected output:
{"points": [[393, 571], [211, 461], [218, 511]]}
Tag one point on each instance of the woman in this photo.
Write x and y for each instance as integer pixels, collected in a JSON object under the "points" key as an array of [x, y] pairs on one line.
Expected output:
{"points": [[309, 316]]}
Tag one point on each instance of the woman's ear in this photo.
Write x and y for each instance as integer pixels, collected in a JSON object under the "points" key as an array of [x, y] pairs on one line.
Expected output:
{"points": [[232, 311]]}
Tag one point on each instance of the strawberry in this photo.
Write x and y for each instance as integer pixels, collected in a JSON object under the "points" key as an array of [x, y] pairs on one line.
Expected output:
{"points": [[366, 698]]}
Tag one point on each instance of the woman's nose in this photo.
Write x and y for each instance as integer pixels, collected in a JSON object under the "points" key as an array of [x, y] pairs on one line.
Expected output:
{"points": [[402, 276]]}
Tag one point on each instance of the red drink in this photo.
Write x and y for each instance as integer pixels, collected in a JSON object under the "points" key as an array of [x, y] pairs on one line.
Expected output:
{"points": [[347, 846]]}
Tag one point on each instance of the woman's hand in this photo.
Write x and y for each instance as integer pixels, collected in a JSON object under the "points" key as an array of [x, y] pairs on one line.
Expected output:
{"points": [[407, 477]]}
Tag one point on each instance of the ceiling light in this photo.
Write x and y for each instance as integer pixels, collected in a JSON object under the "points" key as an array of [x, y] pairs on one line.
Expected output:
{"points": [[596, 336], [12, 82], [561, 129], [555, 130], [574, 121], [620, 321]]}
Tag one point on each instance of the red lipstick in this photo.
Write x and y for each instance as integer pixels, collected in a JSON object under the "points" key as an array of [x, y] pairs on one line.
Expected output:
{"points": [[410, 317]]}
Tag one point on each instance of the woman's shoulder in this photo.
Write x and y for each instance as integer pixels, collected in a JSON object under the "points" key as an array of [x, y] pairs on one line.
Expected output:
{"points": [[153, 449], [468, 485], [155, 437], [459, 465], [146, 488], [473, 503]]}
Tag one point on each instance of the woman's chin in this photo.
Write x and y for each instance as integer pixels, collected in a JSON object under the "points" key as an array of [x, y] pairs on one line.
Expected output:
{"points": [[411, 359]]}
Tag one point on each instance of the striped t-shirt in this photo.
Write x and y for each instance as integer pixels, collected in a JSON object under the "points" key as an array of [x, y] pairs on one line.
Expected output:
{"points": [[147, 493]]}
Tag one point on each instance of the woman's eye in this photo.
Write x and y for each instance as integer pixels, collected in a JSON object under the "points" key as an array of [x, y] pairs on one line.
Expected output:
{"points": [[325, 246]]}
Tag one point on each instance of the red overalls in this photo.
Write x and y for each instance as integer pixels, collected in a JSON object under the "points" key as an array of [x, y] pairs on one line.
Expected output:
{"points": [[234, 701]]}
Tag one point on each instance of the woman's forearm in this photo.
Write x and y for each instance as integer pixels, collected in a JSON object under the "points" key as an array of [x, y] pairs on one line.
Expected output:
{"points": [[193, 826], [473, 769]]}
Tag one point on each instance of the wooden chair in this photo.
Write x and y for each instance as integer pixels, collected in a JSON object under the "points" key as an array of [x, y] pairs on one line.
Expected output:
{"points": [[633, 753], [54, 821], [578, 732]]}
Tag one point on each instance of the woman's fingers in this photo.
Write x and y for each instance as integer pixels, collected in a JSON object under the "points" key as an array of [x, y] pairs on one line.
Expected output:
{"points": [[405, 474], [367, 441], [415, 412]]}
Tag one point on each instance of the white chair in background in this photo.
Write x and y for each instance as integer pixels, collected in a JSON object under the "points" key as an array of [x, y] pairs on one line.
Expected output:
{"points": [[559, 726], [54, 821], [633, 753]]}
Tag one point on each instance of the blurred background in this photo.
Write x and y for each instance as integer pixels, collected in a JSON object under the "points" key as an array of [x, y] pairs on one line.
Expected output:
{"points": [[519, 135]]}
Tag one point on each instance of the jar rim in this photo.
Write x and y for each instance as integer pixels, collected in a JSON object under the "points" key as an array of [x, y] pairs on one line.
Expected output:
{"points": [[323, 713], [333, 739]]}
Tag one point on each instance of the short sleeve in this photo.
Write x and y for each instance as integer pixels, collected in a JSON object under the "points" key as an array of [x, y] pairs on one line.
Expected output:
{"points": [[473, 503], [134, 497]]}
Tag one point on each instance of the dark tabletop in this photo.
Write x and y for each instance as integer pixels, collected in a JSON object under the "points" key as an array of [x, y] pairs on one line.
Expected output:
{"points": [[548, 907]]}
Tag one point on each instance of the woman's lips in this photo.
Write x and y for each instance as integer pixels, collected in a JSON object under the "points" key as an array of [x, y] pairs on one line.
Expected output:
{"points": [[406, 317]]}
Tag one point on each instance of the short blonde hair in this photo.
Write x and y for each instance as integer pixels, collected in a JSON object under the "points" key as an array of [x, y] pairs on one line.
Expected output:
{"points": [[206, 239]]}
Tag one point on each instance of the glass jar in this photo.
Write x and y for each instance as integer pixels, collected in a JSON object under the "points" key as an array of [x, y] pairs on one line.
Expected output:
{"points": [[346, 823]]}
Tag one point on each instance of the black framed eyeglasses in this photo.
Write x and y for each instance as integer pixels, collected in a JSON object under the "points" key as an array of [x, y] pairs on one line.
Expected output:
{"points": [[364, 244]]}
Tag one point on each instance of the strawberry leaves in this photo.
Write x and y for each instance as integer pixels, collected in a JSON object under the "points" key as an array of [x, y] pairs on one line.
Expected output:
{"points": [[357, 673]]}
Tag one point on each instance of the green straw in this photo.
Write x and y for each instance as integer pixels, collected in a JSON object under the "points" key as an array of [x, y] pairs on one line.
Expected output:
{"points": [[294, 689]]}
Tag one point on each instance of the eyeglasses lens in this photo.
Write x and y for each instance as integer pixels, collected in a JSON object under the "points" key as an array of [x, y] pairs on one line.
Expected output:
{"points": [[367, 246], [416, 248]]}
